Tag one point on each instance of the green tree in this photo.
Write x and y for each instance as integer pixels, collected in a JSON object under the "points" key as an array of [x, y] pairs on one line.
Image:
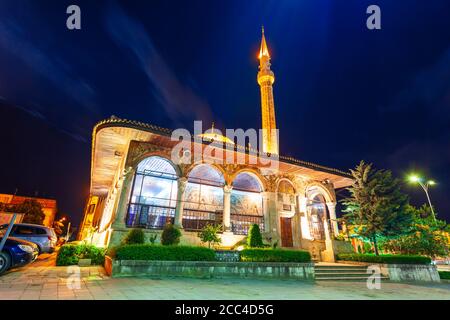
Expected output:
{"points": [[210, 235], [134, 236], [376, 207], [171, 235], [32, 211], [254, 239], [428, 236]]}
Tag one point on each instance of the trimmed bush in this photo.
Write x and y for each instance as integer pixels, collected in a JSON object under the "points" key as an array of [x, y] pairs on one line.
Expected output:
{"points": [[134, 236], [254, 239], [171, 235], [385, 258], [274, 255], [444, 275], [164, 253], [70, 254]]}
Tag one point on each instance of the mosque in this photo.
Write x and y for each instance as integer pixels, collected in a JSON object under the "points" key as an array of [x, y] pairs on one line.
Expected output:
{"points": [[136, 183]]}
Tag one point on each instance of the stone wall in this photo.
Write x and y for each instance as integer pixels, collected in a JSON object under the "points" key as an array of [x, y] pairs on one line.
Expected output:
{"points": [[213, 269], [410, 272]]}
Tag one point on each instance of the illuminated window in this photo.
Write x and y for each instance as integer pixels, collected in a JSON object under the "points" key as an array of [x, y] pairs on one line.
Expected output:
{"points": [[246, 203], [203, 199], [154, 195]]}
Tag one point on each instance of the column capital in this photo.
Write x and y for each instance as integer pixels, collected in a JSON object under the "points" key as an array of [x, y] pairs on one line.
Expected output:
{"points": [[227, 188], [331, 204], [182, 180]]}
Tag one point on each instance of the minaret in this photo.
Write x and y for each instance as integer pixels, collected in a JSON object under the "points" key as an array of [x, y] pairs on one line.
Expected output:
{"points": [[266, 78]]}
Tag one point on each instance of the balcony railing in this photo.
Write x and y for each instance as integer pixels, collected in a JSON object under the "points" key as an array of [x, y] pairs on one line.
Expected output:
{"points": [[195, 220], [149, 216], [240, 223]]}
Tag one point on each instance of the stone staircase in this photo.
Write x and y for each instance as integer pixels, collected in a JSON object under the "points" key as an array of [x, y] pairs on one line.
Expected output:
{"points": [[340, 272]]}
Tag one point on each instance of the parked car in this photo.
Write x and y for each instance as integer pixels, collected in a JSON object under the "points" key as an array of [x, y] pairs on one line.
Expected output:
{"points": [[44, 237], [17, 253]]}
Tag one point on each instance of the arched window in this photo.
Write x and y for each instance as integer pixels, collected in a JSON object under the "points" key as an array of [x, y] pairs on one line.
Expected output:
{"points": [[153, 198], [203, 198], [286, 197], [246, 203], [317, 211]]}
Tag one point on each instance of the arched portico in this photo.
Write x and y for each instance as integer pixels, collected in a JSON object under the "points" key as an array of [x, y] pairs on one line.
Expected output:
{"points": [[246, 203], [153, 198]]}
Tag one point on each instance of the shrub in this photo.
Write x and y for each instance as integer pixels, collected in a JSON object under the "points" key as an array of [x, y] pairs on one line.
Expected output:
{"points": [[274, 255], [209, 235], [385, 258], [70, 254], [254, 239], [134, 236], [444, 275], [164, 253], [152, 238], [171, 235]]}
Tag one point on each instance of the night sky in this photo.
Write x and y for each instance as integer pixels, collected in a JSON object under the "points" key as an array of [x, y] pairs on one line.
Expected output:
{"points": [[342, 92]]}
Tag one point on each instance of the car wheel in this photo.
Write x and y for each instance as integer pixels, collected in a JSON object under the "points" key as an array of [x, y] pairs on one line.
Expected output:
{"points": [[5, 262]]}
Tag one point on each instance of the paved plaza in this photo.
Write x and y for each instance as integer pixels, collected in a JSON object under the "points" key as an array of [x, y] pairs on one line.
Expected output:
{"points": [[48, 282]]}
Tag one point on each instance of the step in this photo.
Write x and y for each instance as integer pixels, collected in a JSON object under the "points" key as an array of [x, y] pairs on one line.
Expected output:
{"points": [[341, 269], [343, 274], [347, 278]]}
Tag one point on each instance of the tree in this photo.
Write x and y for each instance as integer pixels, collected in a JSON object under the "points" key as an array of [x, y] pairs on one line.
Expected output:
{"points": [[254, 239], [134, 236], [376, 207], [32, 211], [209, 234], [428, 236], [171, 235]]}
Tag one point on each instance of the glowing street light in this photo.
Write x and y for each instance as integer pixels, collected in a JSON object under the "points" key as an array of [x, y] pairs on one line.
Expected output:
{"points": [[416, 179]]}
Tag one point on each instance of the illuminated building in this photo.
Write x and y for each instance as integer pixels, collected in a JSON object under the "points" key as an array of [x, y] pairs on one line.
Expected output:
{"points": [[136, 184], [49, 207]]}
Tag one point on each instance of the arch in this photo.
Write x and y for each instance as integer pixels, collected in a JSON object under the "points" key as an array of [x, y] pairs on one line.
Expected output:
{"points": [[287, 181], [250, 171], [162, 159], [316, 188], [153, 197], [207, 173], [247, 181], [246, 202]]}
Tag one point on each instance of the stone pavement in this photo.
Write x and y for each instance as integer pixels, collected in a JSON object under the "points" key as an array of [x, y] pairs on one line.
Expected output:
{"points": [[44, 282]]}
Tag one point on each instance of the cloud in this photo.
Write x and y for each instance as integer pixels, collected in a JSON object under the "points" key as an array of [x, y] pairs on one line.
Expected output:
{"points": [[179, 100], [15, 40]]}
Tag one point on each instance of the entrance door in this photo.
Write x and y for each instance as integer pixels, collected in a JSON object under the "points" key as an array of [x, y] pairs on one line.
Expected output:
{"points": [[286, 232]]}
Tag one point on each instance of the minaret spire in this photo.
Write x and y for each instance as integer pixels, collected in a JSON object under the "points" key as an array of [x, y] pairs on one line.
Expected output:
{"points": [[266, 78]]}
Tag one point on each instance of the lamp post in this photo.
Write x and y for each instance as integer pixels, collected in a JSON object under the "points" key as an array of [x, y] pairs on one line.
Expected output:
{"points": [[425, 186]]}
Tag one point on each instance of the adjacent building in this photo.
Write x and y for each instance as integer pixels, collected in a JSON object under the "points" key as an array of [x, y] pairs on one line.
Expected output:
{"points": [[135, 183], [49, 207]]}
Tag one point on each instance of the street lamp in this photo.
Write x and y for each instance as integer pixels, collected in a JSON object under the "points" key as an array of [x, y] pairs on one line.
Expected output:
{"points": [[425, 186]]}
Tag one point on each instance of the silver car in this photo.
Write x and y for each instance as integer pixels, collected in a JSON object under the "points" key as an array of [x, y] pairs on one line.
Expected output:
{"points": [[44, 237]]}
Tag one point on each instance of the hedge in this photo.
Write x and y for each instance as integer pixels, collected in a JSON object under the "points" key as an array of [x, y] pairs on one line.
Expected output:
{"points": [[274, 255], [385, 258], [445, 275], [166, 253], [70, 254]]}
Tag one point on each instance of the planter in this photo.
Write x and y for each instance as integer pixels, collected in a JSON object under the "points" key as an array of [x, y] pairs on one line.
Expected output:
{"points": [[108, 265], [84, 262], [213, 269]]}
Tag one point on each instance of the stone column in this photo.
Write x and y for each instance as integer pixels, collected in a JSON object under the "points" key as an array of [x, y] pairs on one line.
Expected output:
{"points": [[124, 197], [182, 183], [332, 210], [227, 207], [265, 210]]}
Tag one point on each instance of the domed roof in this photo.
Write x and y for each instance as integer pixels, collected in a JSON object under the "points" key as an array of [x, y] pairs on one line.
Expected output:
{"points": [[214, 135]]}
